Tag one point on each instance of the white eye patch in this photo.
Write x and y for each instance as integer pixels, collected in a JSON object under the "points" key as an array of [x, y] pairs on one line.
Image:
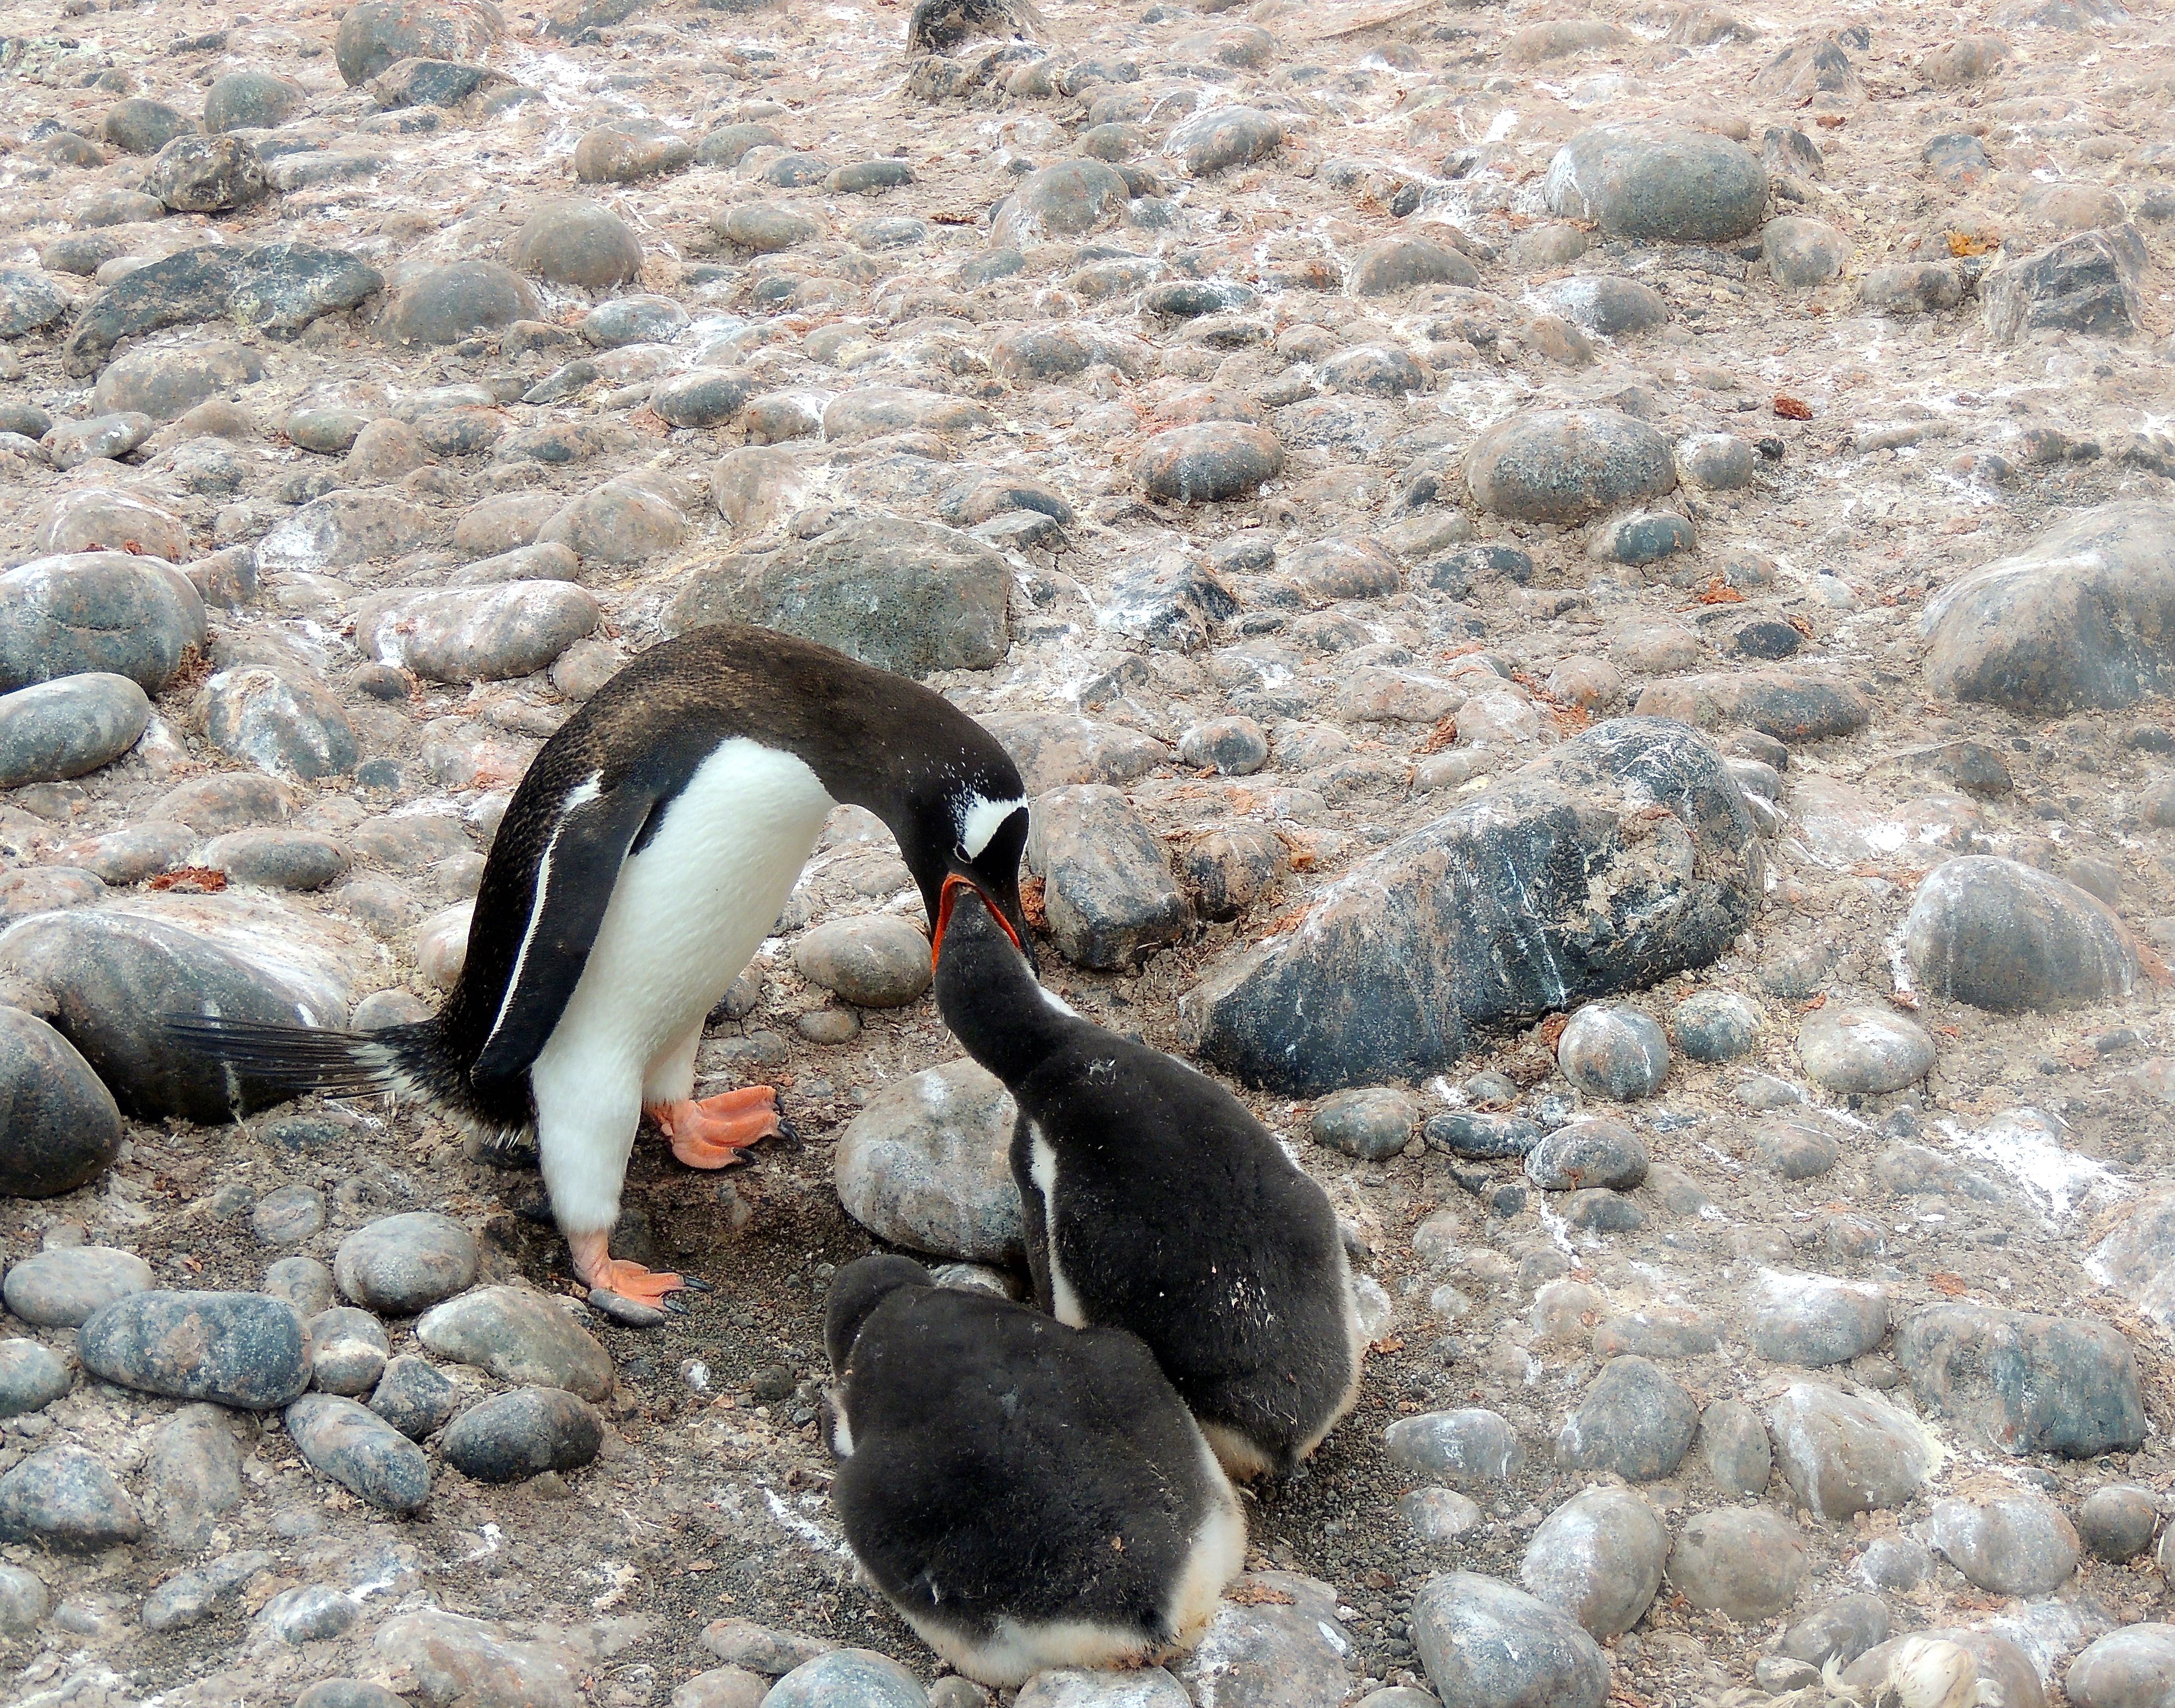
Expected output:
{"points": [[980, 820]]}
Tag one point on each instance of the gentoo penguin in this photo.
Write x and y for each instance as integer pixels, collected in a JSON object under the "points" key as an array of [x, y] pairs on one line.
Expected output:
{"points": [[1026, 1494], [640, 864], [1155, 1202]]}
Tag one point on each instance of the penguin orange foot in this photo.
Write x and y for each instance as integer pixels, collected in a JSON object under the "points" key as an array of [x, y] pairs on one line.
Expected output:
{"points": [[600, 1270], [713, 1132]]}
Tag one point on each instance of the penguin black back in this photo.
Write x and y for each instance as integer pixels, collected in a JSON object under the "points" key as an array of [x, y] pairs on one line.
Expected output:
{"points": [[1156, 1203], [1026, 1494]]}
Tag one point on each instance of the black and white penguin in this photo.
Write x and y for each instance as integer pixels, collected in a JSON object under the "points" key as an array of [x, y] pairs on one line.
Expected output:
{"points": [[640, 864], [1155, 1202], [1026, 1494]]}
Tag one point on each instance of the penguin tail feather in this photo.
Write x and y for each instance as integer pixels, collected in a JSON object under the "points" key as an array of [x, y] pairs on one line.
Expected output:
{"points": [[298, 1058]]}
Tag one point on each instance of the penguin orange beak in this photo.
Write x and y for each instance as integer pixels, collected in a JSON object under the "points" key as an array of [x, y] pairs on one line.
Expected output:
{"points": [[950, 895]]}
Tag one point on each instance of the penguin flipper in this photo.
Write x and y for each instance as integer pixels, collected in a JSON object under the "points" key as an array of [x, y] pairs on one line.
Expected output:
{"points": [[575, 878]]}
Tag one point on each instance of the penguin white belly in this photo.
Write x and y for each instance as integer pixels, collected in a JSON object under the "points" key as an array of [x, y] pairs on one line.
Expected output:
{"points": [[687, 914]]}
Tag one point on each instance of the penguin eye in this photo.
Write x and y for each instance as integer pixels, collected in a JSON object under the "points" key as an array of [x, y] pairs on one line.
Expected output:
{"points": [[959, 853]]}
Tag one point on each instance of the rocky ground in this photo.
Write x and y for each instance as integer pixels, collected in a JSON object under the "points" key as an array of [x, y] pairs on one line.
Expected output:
{"points": [[1585, 592]]}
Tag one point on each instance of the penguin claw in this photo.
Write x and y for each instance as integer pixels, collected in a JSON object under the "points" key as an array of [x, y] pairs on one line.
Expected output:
{"points": [[696, 1284]]}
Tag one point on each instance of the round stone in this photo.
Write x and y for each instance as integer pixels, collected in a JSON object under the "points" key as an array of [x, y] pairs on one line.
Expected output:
{"points": [[24, 1601], [1599, 1557], [1208, 463], [279, 859], [707, 397], [876, 961], [1716, 1026], [1585, 1154], [626, 153], [59, 1126], [1235, 746], [2116, 1523], [1607, 303], [1801, 253], [348, 1350], [1814, 1320], [96, 611], [59, 1288], [531, 1430], [444, 305], [1734, 1446], [573, 242], [251, 101], [288, 1215], [1743, 1563], [1614, 1051], [1841, 1631], [303, 1282], [1371, 1124], [2007, 937], [310, 1613], [520, 1337], [1842, 1454], [206, 174], [415, 1397], [725, 145], [924, 1165], [1846, 1047], [1059, 200], [31, 1377], [375, 35], [1440, 1516], [1896, 1563], [1718, 462], [633, 320], [1486, 1645], [2014, 1544], [240, 1349], [1663, 184], [2127, 1668], [1471, 1447], [1562, 465], [400, 1264], [1391, 264], [138, 126], [1797, 1152], [66, 1500], [1634, 1421]]}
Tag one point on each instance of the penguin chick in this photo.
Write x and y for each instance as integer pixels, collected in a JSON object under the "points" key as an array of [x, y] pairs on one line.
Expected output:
{"points": [[642, 861], [1028, 1495], [1155, 1202]]}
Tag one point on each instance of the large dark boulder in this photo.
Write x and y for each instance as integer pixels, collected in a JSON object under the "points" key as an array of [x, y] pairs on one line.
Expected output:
{"points": [[1625, 855]]}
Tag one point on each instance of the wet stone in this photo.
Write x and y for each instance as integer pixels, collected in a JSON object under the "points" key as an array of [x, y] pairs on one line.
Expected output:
{"points": [[1371, 1125], [876, 962], [1848, 1048], [359, 1451], [240, 1349], [1488, 1645], [66, 1499], [2005, 936], [1598, 1556], [523, 1433], [348, 1350], [576, 242], [1814, 1320], [31, 1377], [400, 1264], [2014, 1544], [415, 1397], [518, 1335], [926, 1165], [1110, 893], [1472, 1448]]}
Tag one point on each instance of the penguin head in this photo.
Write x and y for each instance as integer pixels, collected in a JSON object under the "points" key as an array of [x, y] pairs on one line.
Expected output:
{"points": [[972, 838], [857, 1289]]}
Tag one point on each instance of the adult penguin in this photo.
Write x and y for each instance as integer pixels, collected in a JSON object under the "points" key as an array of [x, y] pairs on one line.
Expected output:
{"points": [[1155, 1202], [643, 859], [1028, 1495]]}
